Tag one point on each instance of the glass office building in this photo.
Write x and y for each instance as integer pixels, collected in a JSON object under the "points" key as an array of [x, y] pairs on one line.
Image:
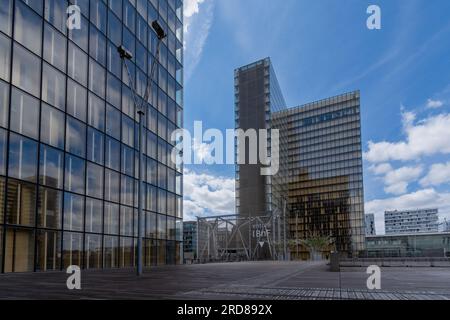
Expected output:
{"points": [[320, 176], [257, 96], [69, 138], [326, 196]]}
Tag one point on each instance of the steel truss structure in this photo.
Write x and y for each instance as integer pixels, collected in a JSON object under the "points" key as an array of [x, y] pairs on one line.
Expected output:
{"points": [[241, 238]]}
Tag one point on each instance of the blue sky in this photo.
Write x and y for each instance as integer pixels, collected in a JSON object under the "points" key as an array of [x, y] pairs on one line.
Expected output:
{"points": [[323, 48]]}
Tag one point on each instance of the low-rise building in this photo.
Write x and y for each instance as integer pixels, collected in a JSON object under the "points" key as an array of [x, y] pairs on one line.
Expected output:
{"points": [[411, 221]]}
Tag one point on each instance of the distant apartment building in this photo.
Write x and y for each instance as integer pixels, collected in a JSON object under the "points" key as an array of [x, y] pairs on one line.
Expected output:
{"points": [[411, 221], [370, 224], [409, 245], [190, 241], [320, 178]]}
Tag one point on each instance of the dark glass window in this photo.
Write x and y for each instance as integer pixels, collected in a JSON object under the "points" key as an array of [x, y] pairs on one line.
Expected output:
{"points": [[114, 61], [72, 249], [95, 146], [162, 226], [126, 221], [26, 71], [127, 101], [129, 15], [6, 17], [3, 148], [112, 154], [20, 244], [76, 100], [113, 122], [151, 225], [96, 112], [81, 36], [94, 215], [53, 87], [75, 137], [73, 212], [114, 29], [74, 174], [152, 171], [93, 251], [128, 131], [52, 126], [98, 14], [152, 147], [113, 93], [5, 57], [55, 13], [55, 47], [97, 48], [78, 64], [97, 79], [127, 190], [94, 181], [111, 218], [127, 161], [28, 28], [22, 158], [24, 114], [21, 203], [48, 250], [151, 198], [110, 250], [116, 7], [112, 186], [127, 250], [50, 208], [51, 167]]}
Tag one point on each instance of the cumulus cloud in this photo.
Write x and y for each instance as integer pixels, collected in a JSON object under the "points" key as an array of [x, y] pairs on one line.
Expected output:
{"points": [[423, 138], [434, 104], [397, 181], [416, 200], [207, 195], [381, 169], [198, 16], [439, 174], [191, 7]]}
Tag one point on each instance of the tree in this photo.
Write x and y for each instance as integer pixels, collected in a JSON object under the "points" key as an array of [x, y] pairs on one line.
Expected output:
{"points": [[316, 245]]}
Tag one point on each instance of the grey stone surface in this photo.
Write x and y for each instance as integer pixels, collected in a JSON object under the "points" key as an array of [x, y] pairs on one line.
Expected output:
{"points": [[241, 281]]}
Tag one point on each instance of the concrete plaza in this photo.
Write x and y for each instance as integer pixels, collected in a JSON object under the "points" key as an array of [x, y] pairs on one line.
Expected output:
{"points": [[240, 281]]}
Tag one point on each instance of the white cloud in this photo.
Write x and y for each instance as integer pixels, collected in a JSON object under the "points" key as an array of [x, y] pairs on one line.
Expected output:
{"points": [[397, 181], [423, 138], [433, 104], [198, 18], [207, 195], [191, 7], [381, 169], [420, 199], [439, 174]]}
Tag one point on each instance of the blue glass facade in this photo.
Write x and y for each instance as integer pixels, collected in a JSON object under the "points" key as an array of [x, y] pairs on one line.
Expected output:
{"points": [[69, 134]]}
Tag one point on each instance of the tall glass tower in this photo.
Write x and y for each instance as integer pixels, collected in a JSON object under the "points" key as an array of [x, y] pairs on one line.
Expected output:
{"points": [[68, 134], [319, 186]]}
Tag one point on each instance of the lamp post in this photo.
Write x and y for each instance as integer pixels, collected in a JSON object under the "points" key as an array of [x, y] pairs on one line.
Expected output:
{"points": [[125, 55]]}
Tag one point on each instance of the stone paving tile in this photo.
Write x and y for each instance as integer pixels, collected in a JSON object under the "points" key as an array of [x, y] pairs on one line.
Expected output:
{"points": [[257, 280]]}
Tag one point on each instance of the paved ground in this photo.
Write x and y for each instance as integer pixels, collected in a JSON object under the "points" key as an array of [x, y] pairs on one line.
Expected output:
{"points": [[257, 280]]}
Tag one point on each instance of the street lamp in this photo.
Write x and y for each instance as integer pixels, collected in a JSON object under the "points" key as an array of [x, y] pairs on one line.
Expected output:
{"points": [[125, 55]]}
